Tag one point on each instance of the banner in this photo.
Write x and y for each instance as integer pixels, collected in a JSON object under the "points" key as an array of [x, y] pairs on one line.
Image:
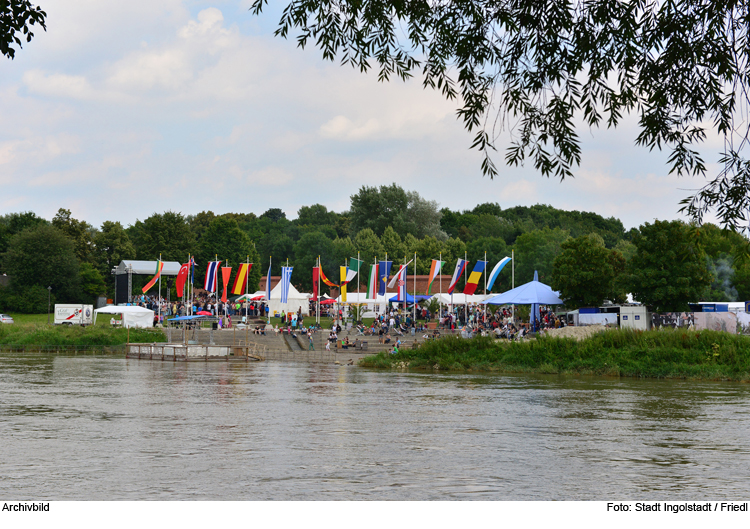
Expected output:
{"points": [[211, 270], [182, 277], [460, 265], [354, 266], [226, 272], [496, 272], [384, 269], [343, 274], [240, 280], [474, 277], [434, 271], [159, 267], [286, 278], [372, 284]]}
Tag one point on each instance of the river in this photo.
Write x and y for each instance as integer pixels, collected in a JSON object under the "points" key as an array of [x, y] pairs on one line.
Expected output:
{"points": [[107, 428]]}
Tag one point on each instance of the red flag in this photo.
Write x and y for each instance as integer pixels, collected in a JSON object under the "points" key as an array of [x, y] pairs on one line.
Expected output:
{"points": [[226, 271], [182, 276], [316, 272]]}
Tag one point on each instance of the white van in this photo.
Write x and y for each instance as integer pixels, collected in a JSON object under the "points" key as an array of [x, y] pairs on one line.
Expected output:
{"points": [[74, 314]]}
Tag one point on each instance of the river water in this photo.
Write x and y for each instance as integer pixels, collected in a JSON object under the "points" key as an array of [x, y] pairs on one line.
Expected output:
{"points": [[106, 428]]}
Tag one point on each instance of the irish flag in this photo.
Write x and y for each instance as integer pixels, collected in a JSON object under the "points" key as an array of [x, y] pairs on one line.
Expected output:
{"points": [[434, 271], [159, 266]]}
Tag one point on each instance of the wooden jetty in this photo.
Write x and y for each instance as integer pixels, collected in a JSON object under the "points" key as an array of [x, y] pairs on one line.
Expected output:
{"points": [[177, 352]]}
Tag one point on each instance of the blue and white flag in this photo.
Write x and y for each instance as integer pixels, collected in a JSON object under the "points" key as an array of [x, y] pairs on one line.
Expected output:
{"points": [[210, 283], [496, 272], [286, 277], [268, 282]]}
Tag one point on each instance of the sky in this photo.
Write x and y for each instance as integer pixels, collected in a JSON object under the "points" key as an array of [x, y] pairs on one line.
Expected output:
{"points": [[124, 109]]}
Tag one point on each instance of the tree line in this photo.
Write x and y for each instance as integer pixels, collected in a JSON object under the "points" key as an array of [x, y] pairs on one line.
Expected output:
{"points": [[586, 256]]}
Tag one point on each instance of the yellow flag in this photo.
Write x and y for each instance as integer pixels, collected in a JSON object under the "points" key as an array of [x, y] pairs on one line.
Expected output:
{"points": [[343, 284]]}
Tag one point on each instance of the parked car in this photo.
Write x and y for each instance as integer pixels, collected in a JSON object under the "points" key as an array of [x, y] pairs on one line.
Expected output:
{"points": [[4, 318]]}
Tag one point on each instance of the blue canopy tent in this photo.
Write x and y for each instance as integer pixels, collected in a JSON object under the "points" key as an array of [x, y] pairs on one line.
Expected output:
{"points": [[409, 298], [532, 293]]}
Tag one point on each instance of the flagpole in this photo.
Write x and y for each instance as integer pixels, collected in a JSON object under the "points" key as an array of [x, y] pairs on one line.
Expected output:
{"points": [[440, 282], [485, 273], [159, 289], [414, 304], [466, 303], [359, 301], [513, 283], [317, 308]]}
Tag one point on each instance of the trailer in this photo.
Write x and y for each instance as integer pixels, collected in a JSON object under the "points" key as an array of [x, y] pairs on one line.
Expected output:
{"points": [[74, 314]]}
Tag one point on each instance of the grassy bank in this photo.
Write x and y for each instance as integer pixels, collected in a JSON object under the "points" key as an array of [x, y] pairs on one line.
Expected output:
{"points": [[709, 355], [32, 333]]}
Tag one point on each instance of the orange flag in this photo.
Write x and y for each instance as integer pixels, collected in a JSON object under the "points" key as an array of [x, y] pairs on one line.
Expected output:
{"points": [[226, 271]]}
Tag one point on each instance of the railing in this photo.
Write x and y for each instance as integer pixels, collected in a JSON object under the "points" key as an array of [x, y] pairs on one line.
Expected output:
{"points": [[62, 349]]}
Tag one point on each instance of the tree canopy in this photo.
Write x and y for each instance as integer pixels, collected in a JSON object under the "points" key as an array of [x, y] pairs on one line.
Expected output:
{"points": [[16, 19], [669, 267], [537, 68]]}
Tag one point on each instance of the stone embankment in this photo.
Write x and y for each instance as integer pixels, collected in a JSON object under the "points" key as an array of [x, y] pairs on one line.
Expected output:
{"points": [[283, 346]]}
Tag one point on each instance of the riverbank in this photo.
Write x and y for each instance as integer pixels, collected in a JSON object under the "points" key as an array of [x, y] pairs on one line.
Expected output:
{"points": [[103, 335], [699, 355]]}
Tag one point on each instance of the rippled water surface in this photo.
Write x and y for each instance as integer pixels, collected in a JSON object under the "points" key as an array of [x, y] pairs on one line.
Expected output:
{"points": [[109, 428]]}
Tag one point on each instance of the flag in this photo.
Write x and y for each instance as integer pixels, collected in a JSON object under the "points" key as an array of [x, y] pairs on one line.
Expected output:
{"points": [[496, 272], [372, 284], [325, 280], [226, 273], [343, 273], [396, 277], [399, 279], [192, 270], [474, 277], [434, 271], [211, 271], [157, 274], [354, 266], [182, 277], [268, 283], [460, 265], [240, 280], [385, 271], [316, 276], [286, 277]]}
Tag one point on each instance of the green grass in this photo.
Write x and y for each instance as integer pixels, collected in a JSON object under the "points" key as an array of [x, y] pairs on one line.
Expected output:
{"points": [[709, 355], [33, 330]]}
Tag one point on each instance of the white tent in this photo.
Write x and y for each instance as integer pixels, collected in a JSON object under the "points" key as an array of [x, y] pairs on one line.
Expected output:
{"points": [[461, 299], [132, 316], [295, 300], [379, 304]]}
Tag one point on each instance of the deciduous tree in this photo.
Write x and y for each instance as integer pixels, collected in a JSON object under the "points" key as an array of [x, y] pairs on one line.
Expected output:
{"points": [[669, 268], [539, 67], [586, 272]]}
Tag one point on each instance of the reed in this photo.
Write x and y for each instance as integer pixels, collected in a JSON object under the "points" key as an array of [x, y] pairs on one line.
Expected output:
{"points": [[38, 334], [710, 355]]}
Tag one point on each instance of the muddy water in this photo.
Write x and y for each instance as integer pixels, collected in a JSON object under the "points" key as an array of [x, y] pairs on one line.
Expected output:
{"points": [[110, 428]]}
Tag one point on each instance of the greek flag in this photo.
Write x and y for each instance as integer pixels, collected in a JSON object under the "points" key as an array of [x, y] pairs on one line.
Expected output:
{"points": [[286, 277]]}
